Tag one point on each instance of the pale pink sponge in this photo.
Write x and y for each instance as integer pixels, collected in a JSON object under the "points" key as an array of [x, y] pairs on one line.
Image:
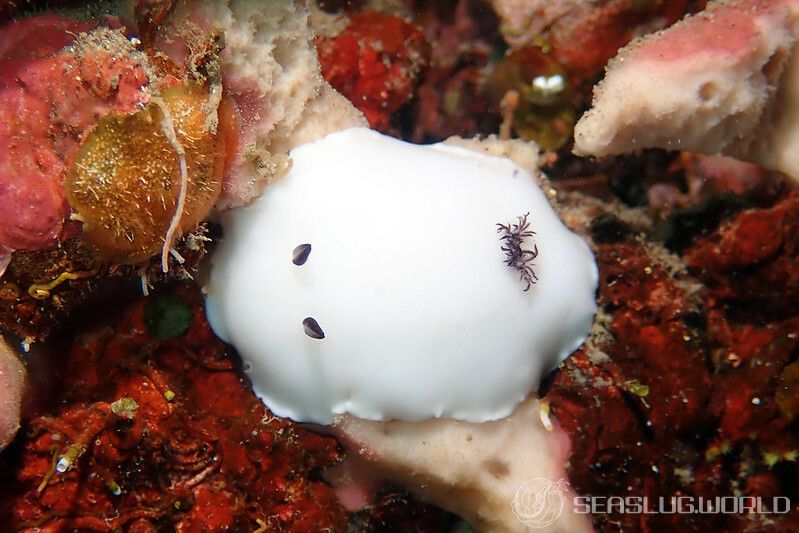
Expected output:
{"points": [[725, 80], [12, 383], [478, 471]]}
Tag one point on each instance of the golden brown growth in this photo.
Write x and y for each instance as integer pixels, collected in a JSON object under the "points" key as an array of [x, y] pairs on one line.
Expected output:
{"points": [[124, 182]]}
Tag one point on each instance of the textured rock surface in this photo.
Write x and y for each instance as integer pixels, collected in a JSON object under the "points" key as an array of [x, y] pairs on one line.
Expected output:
{"points": [[376, 62], [159, 429], [689, 388]]}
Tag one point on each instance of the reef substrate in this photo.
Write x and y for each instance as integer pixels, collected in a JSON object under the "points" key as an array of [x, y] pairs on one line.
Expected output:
{"points": [[158, 428]]}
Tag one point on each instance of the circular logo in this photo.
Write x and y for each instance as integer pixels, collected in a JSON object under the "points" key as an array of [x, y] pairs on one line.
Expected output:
{"points": [[540, 501]]}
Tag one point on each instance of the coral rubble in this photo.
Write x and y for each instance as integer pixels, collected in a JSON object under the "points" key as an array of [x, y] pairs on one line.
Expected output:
{"points": [[159, 429], [687, 389]]}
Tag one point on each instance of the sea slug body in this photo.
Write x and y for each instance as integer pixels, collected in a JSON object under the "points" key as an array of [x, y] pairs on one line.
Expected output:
{"points": [[407, 308]]}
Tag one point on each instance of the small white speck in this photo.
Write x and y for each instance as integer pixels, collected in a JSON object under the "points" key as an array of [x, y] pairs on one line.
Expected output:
{"points": [[62, 465], [545, 420], [26, 344], [756, 401], [549, 85]]}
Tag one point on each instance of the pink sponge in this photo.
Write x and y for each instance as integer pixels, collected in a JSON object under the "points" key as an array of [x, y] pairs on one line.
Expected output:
{"points": [[49, 98]]}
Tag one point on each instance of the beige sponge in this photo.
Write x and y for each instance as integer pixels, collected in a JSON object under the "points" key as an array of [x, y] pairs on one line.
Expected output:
{"points": [[270, 69], [723, 81], [491, 474], [12, 385]]}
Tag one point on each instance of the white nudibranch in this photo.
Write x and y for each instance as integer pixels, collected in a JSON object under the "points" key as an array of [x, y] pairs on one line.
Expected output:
{"points": [[372, 279]]}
